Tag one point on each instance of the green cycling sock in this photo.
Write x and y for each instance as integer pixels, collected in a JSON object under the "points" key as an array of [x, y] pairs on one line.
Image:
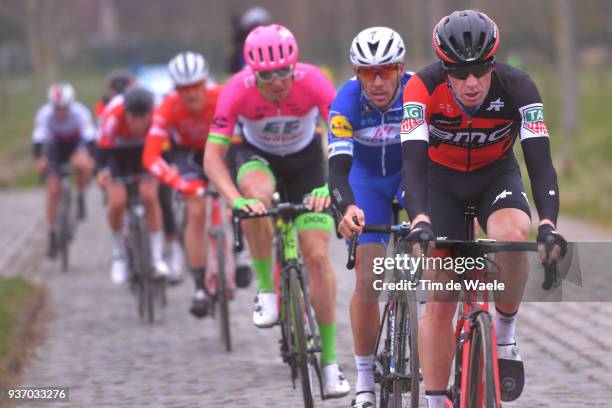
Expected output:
{"points": [[328, 343], [263, 268]]}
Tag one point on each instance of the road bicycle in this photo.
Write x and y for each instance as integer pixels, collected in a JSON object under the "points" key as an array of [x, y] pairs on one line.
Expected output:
{"points": [[221, 264], [397, 363], [149, 289], [476, 372], [66, 216], [300, 342]]}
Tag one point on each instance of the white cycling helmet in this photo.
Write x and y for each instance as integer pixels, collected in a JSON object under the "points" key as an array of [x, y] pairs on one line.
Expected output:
{"points": [[377, 46], [188, 68], [61, 95]]}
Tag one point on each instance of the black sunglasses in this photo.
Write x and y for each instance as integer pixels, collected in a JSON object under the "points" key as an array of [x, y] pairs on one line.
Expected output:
{"points": [[464, 71]]}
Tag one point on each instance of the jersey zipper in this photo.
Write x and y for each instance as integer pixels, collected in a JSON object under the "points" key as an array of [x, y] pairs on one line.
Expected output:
{"points": [[469, 158], [384, 146]]}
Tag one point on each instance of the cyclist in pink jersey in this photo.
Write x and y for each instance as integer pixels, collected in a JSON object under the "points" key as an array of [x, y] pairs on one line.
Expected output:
{"points": [[278, 101]]}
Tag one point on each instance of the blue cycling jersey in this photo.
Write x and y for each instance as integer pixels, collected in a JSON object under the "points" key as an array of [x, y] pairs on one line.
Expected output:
{"points": [[358, 128]]}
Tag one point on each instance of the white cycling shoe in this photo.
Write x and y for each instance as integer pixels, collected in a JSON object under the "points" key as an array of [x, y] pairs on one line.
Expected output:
{"points": [[364, 399], [265, 313], [160, 268], [119, 270], [335, 384]]}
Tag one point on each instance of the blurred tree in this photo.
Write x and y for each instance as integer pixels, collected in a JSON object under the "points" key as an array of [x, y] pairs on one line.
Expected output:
{"points": [[41, 21], [566, 55]]}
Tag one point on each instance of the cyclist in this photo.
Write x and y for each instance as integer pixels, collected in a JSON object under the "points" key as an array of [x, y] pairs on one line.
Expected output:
{"points": [[461, 118], [365, 165], [278, 101], [121, 138], [63, 132], [185, 116], [253, 17], [116, 83]]}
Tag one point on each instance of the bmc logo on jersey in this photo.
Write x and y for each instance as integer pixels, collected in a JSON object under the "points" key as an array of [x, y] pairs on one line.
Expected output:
{"points": [[474, 138], [340, 127], [413, 117], [533, 119]]}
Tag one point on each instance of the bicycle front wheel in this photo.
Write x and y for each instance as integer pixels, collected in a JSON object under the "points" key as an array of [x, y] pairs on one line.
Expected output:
{"points": [[222, 292], [299, 336], [482, 387], [413, 343]]}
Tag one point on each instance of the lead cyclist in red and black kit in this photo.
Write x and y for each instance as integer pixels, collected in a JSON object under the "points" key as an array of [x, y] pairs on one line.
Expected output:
{"points": [[462, 116]]}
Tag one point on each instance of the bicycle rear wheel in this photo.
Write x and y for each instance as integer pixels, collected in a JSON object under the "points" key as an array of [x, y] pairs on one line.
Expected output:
{"points": [[482, 388], [64, 226], [299, 337], [143, 253], [222, 292]]}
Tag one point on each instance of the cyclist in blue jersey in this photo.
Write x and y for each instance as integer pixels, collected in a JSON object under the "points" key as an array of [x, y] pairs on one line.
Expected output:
{"points": [[365, 164]]}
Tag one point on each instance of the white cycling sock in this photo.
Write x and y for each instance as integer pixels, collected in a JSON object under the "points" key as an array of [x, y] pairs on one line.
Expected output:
{"points": [[504, 327], [436, 400], [118, 244], [157, 245], [365, 373]]}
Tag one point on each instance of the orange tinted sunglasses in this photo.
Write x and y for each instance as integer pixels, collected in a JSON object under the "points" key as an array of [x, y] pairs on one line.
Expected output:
{"points": [[383, 71], [197, 86]]}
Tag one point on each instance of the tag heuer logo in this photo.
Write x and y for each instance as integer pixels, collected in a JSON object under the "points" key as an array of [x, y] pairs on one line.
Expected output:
{"points": [[534, 114], [412, 111]]}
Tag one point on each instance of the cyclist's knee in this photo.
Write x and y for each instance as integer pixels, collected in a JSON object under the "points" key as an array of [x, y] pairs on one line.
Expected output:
{"points": [[440, 312], [316, 259], [195, 210]]}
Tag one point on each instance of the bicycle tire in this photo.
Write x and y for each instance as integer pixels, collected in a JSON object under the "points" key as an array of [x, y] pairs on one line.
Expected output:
{"points": [[64, 226], [222, 292], [413, 342], [481, 365], [386, 389], [400, 355], [299, 337], [146, 268]]}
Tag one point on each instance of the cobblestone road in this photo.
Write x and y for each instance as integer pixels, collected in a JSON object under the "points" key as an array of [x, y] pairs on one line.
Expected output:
{"points": [[96, 346]]}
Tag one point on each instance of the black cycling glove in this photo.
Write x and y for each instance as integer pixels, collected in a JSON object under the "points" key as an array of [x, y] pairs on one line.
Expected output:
{"points": [[421, 232], [547, 235]]}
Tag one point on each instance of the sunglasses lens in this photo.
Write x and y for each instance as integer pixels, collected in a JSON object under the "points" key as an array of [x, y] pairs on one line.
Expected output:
{"points": [[384, 72], [268, 76], [465, 72]]}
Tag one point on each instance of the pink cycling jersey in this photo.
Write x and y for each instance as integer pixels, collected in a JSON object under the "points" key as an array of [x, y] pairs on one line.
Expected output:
{"points": [[278, 128]]}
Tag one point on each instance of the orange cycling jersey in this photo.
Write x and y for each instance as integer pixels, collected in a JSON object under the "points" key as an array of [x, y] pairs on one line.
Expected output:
{"points": [[114, 131], [172, 121]]}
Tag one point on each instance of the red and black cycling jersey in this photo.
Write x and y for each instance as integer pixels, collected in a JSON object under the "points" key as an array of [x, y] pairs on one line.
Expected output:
{"points": [[464, 140]]}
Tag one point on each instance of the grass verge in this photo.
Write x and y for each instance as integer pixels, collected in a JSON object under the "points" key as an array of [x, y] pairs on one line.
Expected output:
{"points": [[21, 304]]}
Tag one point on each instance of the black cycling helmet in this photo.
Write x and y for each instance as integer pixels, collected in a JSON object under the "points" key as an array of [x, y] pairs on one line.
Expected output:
{"points": [[465, 37], [138, 101], [118, 80]]}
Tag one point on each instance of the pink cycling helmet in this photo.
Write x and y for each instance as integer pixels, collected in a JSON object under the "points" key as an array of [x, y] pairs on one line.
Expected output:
{"points": [[270, 47]]}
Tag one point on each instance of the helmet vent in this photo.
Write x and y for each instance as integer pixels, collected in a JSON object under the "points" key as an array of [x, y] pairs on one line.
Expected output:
{"points": [[388, 47], [271, 53], [373, 47]]}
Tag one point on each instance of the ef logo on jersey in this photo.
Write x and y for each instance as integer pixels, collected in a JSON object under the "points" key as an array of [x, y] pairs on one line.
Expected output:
{"points": [[340, 127]]}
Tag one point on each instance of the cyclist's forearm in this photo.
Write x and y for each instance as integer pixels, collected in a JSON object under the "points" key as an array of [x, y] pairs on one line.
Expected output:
{"points": [[339, 187], [414, 177], [543, 177], [217, 173]]}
